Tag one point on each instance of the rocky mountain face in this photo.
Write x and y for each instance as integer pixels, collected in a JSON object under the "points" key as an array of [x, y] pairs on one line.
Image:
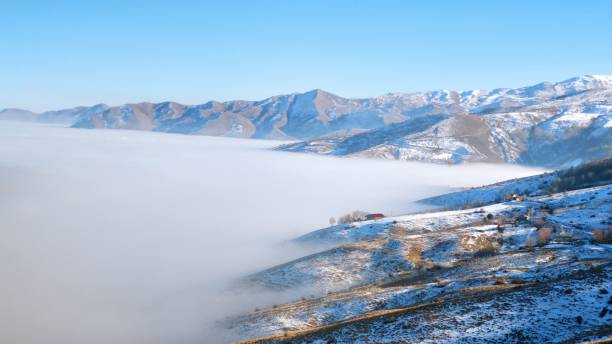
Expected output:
{"points": [[548, 124]]}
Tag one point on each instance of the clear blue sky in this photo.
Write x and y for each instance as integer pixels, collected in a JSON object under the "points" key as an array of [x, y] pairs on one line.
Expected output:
{"points": [[62, 53]]}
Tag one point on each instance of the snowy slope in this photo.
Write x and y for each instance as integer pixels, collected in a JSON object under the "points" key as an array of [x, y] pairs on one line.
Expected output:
{"points": [[537, 185], [520, 271]]}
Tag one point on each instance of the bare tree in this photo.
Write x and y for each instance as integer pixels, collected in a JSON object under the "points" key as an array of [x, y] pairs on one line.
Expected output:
{"points": [[345, 219], [357, 215], [332, 221]]}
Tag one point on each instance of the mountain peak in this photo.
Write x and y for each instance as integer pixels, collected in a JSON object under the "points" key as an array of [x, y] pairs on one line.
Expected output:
{"points": [[595, 79], [319, 92], [13, 109]]}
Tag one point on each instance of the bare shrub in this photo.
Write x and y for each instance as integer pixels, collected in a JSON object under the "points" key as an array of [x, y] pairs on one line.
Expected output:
{"points": [[356, 215], [344, 219], [602, 236], [544, 235], [415, 253], [431, 265], [541, 238], [485, 246], [359, 215], [500, 280], [332, 221], [482, 245]]}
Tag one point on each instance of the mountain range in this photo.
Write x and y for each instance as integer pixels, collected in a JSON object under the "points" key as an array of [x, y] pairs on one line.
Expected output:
{"points": [[548, 124]]}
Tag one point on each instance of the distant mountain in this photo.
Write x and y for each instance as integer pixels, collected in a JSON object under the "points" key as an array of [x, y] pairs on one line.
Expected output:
{"points": [[549, 124], [17, 115], [294, 116], [65, 116], [71, 116]]}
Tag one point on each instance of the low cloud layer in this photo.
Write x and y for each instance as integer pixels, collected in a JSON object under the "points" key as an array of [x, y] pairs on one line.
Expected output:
{"points": [[132, 237]]}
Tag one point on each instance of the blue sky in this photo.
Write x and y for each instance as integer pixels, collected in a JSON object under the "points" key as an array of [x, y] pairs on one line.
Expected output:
{"points": [[61, 53]]}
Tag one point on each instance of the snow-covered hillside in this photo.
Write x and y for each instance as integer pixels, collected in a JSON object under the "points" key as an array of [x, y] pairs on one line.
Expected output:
{"points": [[535, 268], [550, 124]]}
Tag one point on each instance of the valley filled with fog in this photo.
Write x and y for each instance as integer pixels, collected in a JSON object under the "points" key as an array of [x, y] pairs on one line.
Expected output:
{"points": [[138, 237]]}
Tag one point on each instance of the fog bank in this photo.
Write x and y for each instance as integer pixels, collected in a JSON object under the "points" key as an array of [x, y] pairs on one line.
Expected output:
{"points": [[134, 237]]}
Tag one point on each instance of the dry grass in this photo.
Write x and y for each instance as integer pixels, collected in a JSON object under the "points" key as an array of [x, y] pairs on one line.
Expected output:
{"points": [[415, 256], [463, 294], [486, 289], [398, 232]]}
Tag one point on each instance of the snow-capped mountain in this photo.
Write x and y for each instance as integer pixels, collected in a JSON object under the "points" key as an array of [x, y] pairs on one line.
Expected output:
{"points": [[545, 124]]}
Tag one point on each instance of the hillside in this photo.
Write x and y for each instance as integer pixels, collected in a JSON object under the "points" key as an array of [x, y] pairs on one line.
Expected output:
{"points": [[536, 268], [548, 124], [590, 174]]}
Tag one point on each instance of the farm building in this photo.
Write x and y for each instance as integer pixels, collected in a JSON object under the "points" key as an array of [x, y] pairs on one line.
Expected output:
{"points": [[374, 216]]}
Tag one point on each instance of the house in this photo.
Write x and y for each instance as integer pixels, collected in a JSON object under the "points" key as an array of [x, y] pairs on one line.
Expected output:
{"points": [[374, 216]]}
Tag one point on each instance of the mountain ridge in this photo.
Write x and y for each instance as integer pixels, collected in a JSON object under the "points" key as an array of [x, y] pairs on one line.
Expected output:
{"points": [[521, 125], [598, 81]]}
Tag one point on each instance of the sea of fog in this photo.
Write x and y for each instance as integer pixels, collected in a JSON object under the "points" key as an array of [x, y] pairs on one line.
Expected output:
{"points": [[110, 236]]}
